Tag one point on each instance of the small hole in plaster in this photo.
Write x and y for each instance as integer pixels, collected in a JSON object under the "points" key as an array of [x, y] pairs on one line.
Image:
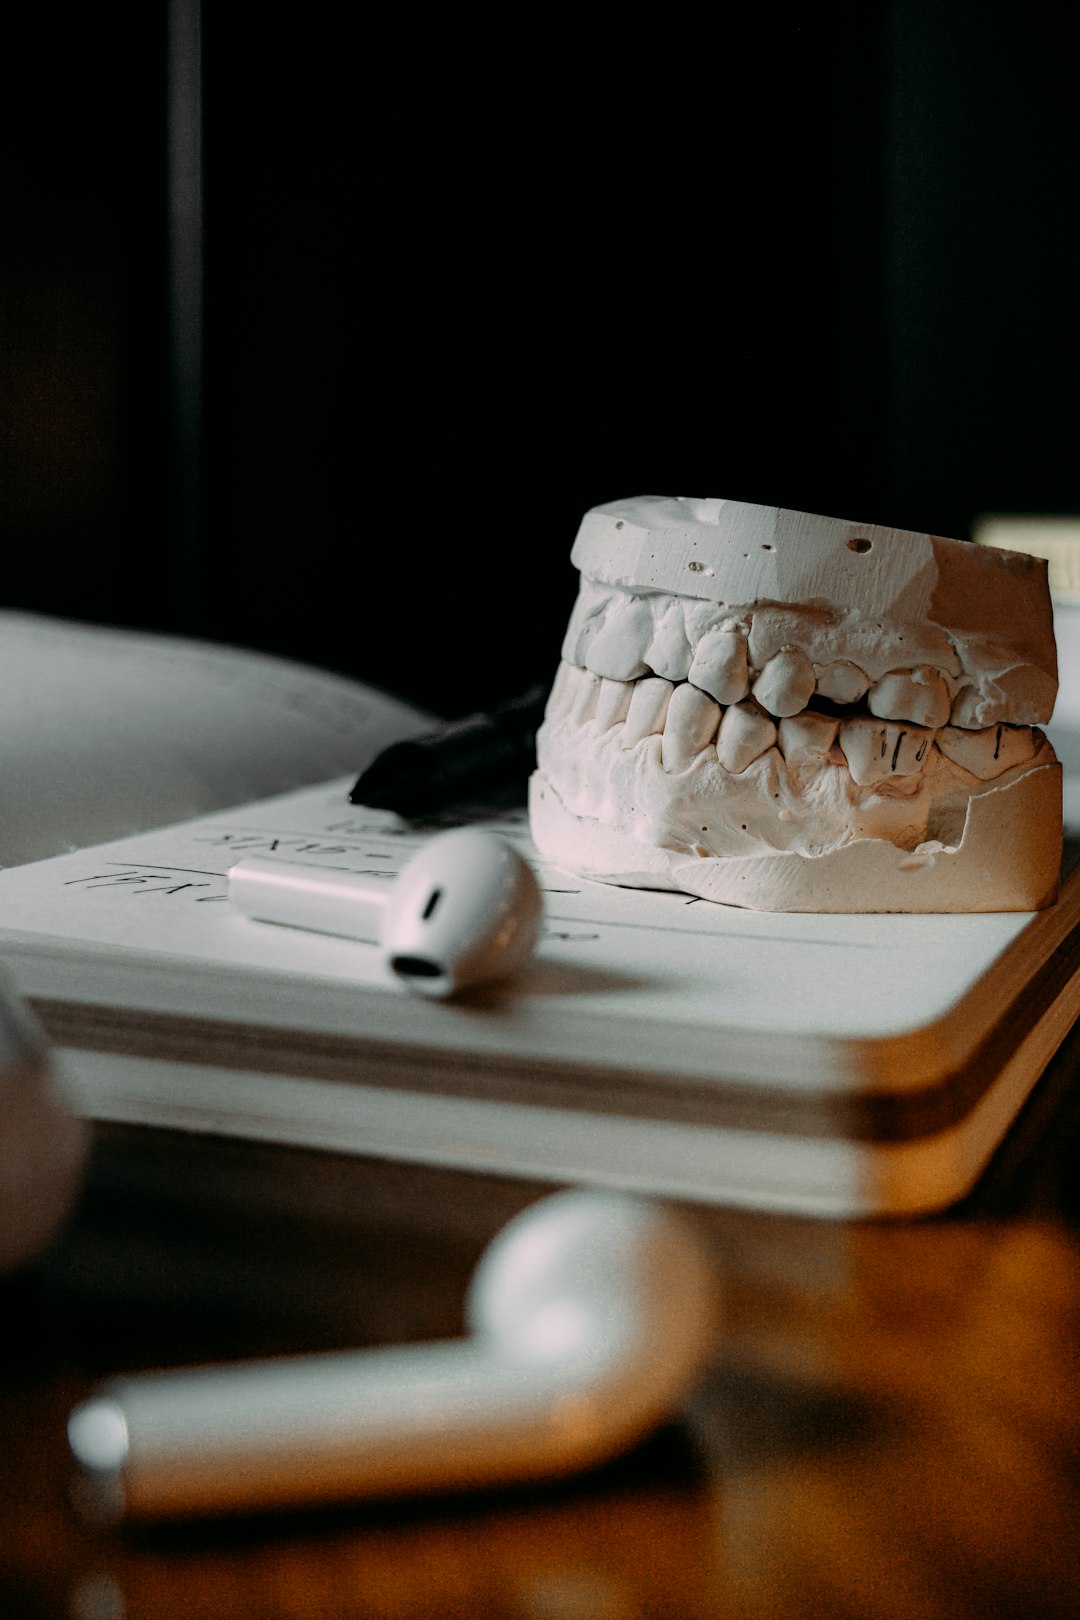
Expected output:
{"points": [[860, 544], [695, 567], [619, 523], [766, 546]]}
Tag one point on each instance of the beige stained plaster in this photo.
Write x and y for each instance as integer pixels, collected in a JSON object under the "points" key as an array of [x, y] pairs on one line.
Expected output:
{"points": [[792, 712]]}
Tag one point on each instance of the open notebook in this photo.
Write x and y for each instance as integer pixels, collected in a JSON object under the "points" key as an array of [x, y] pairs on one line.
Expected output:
{"points": [[832, 1065]]}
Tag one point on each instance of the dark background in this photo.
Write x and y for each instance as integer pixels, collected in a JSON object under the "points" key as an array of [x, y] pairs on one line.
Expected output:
{"points": [[470, 273]]}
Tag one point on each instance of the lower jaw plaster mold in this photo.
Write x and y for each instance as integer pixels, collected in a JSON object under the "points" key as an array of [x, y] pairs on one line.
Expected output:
{"points": [[792, 713]]}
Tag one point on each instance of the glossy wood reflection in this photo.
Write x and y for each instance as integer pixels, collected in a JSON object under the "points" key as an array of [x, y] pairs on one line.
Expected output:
{"points": [[890, 1425]]}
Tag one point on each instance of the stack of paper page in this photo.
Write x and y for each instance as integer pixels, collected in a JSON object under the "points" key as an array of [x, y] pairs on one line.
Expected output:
{"points": [[834, 1065]]}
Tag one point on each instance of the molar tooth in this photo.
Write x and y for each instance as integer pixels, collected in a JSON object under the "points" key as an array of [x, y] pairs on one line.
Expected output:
{"points": [[692, 719], [746, 733], [616, 650], [910, 746], [970, 709], [842, 682], [805, 739], [669, 652], [786, 684], [878, 748], [720, 667], [865, 746], [612, 703], [919, 695], [648, 709], [987, 753]]}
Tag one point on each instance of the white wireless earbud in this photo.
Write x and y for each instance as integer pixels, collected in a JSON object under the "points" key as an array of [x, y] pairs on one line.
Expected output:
{"points": [[465, 910], [591, 1315]]}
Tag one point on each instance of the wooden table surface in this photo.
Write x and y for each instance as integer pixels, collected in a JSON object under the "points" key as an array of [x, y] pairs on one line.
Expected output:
{"points": [[889, 1426]]}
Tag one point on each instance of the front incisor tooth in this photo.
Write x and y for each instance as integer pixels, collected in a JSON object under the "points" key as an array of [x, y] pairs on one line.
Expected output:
{"points": [[720, 667], [692, 719], [875, 749], [805, 739], [919, 695], [669, 652], [746, 733], [988, 753], [617, 649], [612, 703], [585, 697], [786, 684], [648, 710], [561, 697]]}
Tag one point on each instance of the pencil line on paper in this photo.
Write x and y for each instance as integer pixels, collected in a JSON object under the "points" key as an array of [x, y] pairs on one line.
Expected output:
{"points": [[712, 933], [157, 866], [339, 833]]}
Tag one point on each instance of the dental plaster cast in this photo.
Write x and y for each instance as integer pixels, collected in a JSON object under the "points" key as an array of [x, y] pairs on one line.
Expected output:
{"points": [[794, 713]]}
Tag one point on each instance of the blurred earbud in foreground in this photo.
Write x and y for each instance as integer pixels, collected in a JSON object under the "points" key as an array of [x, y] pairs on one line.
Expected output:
{"points": [[42, 1144], [465, 910], [591, 1315]]}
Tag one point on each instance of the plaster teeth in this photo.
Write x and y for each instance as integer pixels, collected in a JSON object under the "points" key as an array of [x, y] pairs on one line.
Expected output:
{"points": [[919, 695], [720, 667], [617, 649], [561, 697], [1020, 695], [612, 703], [669, 652], [786, 684], [842, 682], [987, 753], [973, 710], [746, 733], [586, 621], [585, 696], [875, 749], [805, 739], [807, 705], [648, 710], [691, 724], [666, 668]]}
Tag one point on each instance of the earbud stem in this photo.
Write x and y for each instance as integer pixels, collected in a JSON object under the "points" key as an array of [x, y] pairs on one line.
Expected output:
{"points": [[360, 1424], [591, 1315], [320, 898]]}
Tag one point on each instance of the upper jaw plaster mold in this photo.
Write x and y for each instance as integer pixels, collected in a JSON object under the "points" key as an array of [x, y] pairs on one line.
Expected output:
{"points": [[794, 713]]}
